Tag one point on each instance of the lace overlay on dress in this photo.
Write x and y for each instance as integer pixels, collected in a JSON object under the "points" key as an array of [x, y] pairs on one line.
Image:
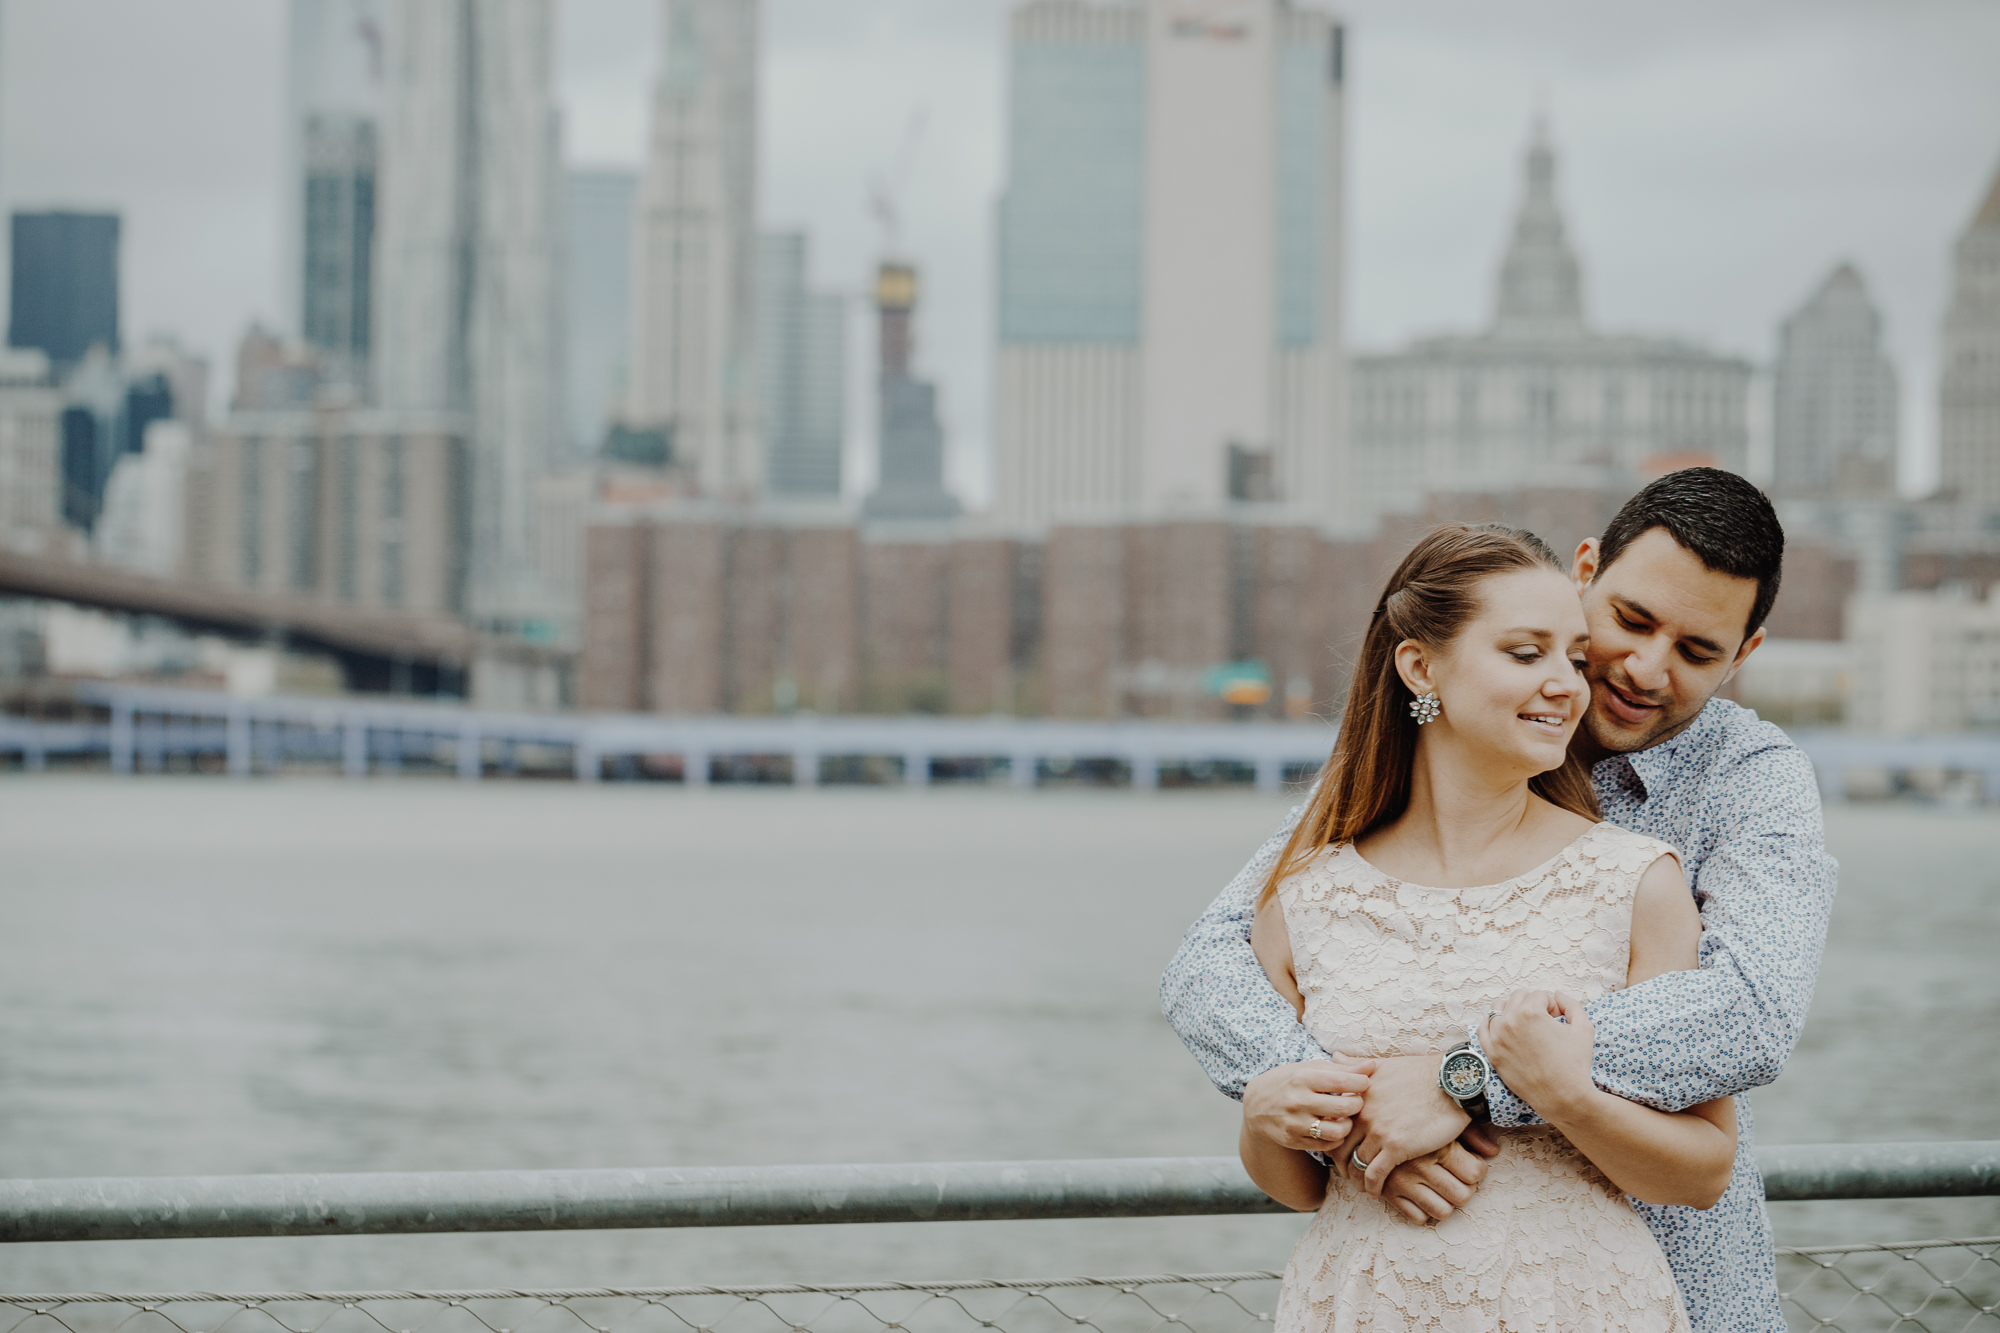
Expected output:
{"points": [[1388, 968]]}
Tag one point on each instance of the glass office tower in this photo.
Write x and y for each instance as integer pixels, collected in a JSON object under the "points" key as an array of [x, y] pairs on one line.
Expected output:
{"points": [[1169, 259]]}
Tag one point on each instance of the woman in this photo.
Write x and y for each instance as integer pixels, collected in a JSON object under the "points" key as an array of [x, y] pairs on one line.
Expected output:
{"points": [[1451, 870]]}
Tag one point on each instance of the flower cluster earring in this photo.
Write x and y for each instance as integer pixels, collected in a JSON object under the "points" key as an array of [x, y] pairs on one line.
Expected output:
{"points": [[1425, 708]]}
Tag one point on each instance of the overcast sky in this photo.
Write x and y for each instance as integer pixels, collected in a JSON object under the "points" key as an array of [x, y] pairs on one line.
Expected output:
{"points": [[1717, 156]]}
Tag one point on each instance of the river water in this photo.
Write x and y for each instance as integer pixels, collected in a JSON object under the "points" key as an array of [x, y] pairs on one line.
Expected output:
{"points": [[307, 975]]}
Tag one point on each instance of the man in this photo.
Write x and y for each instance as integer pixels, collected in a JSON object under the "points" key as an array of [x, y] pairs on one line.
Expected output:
{"points": [[1675, 594]]}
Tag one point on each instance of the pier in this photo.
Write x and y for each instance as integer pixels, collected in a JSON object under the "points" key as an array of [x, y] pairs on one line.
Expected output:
{"points": [[362, 736]]}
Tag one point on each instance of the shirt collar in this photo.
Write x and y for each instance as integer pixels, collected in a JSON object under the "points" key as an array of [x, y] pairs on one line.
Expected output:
{"points": [[1650, 765]]}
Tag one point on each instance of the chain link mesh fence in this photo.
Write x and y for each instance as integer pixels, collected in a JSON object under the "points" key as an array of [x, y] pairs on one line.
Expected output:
{"points": [[1929, 1285], [1924, 1285]]}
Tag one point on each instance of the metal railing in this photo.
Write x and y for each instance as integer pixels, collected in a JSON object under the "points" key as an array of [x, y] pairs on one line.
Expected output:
{"points": [[170, 1207], [1923, 1285], [360, 735]]}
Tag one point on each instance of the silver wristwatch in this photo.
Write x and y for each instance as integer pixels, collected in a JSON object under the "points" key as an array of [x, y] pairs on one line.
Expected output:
{"points": [[1462, 1074]]}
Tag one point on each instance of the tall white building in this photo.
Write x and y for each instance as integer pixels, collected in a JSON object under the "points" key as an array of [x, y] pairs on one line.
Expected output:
{"points": [[143, 523], [31, 473], [1170, 259], [334, 92], [694, 257], [1833, 408], [1539, 392], [466, 318], [1969, 396]]}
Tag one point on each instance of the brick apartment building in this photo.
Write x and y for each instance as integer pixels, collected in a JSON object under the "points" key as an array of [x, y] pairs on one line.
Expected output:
{"points": [[703, 609]]}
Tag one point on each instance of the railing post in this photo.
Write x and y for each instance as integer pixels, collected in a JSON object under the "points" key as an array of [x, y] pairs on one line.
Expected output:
{"points": [[917, 769], [237, 735], [121, 736], [805, 768], [589, 767], [1021, 770], [1270, 774], [34, 751], [274, 745], [694, 768], [468, 753], [354, 747], [1145, 771]]}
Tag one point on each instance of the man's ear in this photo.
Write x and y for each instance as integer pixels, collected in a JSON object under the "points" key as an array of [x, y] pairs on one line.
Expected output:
{"points": [[1584, 568], [1743, 655]]}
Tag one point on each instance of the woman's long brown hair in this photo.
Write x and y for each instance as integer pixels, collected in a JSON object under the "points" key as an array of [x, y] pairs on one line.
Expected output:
{"points": [[1431, 597]]}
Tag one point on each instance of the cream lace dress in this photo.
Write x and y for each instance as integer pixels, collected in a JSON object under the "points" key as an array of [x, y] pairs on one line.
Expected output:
{"points": [[1388, 968]]}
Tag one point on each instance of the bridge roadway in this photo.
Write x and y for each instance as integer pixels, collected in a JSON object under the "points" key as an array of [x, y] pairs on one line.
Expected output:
{"points": [[370, 734], [435, 641]]}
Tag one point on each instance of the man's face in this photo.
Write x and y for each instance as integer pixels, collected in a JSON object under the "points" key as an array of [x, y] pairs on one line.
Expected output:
{"points": [[1666, 632]]}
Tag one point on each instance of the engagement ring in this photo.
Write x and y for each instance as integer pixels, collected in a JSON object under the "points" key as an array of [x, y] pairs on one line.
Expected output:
{"points": [[1315, 1128]]}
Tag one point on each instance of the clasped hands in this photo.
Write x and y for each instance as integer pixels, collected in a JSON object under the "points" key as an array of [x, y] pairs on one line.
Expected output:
{"points": [[1424, 1155]]}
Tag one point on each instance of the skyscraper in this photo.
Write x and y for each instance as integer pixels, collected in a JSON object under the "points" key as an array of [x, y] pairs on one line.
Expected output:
{"points": [[802, 371], [31, 454], [1170, 258], [1538, 393], [597, 300], [334, 94], [1969, 395], [465, 312], [1833, 414], [693, 369], [909, 481], [64, 298]]}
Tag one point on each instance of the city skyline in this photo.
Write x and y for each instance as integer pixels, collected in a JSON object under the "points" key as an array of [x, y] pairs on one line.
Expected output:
{"points": [[1670, 127]]}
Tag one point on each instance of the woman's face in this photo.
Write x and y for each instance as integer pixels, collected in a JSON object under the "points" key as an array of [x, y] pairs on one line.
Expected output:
{"points": [[1511, 684]]}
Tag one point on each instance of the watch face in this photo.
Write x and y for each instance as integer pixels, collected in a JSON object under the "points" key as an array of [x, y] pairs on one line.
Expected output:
{"points": [[1464, 1075]]}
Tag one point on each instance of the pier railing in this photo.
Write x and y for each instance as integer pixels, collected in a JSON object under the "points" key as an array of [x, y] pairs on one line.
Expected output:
{"points": [[148, 728], [1938, 1284], [377, 1203]]}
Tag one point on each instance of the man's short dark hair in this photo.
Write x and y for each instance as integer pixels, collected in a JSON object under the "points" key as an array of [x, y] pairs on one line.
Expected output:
{"points": [[1726, 522]]}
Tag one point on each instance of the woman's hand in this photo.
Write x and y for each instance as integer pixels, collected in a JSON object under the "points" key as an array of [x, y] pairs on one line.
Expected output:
{"points": [[1544, 1060], [1287, 1104]]}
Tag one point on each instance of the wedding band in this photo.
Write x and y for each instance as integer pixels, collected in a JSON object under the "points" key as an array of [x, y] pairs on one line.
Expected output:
{"points": [[1492, 1014], [1315, 1128], [1355, 1157]]}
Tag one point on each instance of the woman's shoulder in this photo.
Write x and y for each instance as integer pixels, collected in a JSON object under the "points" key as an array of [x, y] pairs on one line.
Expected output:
{"points": [[1335, 865], [1619, 854], [1606, 839]]}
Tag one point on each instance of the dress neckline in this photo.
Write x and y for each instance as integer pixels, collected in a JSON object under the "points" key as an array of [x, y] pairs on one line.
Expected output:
{"points": [[1529, 876]]}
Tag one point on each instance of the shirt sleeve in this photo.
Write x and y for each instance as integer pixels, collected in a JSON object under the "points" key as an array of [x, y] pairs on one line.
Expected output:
{"points": [[1765, 891], [1216, 995]]}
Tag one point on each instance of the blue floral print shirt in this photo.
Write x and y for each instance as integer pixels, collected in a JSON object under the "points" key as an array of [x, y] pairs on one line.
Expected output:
{"points": [[1739, 801]]}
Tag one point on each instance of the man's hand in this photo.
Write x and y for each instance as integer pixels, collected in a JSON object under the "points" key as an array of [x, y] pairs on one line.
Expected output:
{"points": [[1284, 1104], [1543, 1040], [1437, 1184], [1407, 1116]]}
